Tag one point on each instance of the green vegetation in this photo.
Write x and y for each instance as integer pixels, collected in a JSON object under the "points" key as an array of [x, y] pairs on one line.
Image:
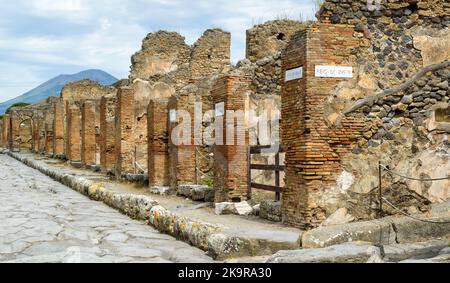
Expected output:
{"points": [[20, 104]]}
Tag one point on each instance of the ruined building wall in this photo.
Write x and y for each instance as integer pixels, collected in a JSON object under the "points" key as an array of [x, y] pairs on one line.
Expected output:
{"points": [[397, 41], [163, 67], [6, 129], [58, 128], [125, 149], [21, 128], [2, 140], [271, 37], [231, 153], [182, 170], [74, 93], [108, 133], [313, 149], [162, 52], [335, 155], [158, 139], [211, 53], [90, 128]]}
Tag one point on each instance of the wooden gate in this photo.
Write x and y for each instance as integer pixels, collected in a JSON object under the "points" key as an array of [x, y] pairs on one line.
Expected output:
{"points": [[277, 168]]}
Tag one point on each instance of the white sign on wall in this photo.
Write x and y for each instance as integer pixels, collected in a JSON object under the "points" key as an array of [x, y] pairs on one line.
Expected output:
{"points": [[334, 72], [173, 115], [294, 74], [220, 109]]}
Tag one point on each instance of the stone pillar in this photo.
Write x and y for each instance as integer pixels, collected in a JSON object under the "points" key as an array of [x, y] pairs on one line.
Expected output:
{"points": [[124, 132], [88, 133], [6, 130], [35, 131], [230, 95], [58, 129], [182, 161], [313, 149], [108, 134], [42, 133], [48, 124], [2, 142], [15, 138], [158, 147], [74, 133]]}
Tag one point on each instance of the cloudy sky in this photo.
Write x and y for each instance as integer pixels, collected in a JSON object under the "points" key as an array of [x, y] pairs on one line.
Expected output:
{"points": [[40, 39]]}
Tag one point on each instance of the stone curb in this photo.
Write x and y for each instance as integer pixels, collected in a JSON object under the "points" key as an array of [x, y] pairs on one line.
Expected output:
{"points": [[386, 231], [199, 234]]}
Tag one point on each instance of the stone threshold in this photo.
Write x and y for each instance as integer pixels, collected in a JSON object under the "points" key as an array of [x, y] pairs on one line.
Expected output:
{"points": [[222, 237]]}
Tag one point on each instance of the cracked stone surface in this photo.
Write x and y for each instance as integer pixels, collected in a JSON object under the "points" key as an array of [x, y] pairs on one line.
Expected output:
{"points": [[44, 221]]}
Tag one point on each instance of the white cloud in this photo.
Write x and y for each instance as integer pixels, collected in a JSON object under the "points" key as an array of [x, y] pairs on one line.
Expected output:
{"points": [[67, 35]]}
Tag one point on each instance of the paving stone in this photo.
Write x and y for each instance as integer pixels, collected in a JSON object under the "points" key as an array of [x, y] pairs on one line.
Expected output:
{"points": [[40, 226]]}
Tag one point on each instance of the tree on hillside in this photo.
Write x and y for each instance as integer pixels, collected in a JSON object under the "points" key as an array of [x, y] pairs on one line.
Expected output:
{"points": [[19, 104]]}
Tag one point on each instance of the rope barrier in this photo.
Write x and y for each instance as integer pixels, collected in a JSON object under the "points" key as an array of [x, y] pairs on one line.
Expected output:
{"points": [[414, 179], [413, 217]]}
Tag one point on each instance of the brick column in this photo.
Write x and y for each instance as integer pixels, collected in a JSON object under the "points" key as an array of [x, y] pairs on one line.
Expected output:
{"points": [[49, 140], [125, 147], [158, 147], [313, 150], [48, 120], [74, 133], [182, 161], [2, 142], [42, 133], [6, 129], [231, 159], [108, 134], [88, 133], [35, 132], [15, 138], [58, 129]]}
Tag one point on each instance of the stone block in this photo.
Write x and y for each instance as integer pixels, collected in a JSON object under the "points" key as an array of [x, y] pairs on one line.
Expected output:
{"points": [[270, 210]]}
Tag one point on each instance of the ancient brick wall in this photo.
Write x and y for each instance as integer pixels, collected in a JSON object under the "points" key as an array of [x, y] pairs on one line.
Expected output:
{"points": [[313, 149], [48, 124], [398, 39], [74, 93], [162, 52], [6, 129], [158, 142], [211, 53], [231, 155], [271, 37], [108, 133], [142, 96], [58, 128], [2, 140], [74, 133], [21, 128], [125, 148], [182, 168], [90, 122]]}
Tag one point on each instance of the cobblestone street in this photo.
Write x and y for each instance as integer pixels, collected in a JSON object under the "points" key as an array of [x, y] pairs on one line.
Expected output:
{"points": [[44, 221]]}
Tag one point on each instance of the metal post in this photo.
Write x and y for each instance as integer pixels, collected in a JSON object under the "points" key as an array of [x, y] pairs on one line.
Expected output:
{"points": [[380, 172]]}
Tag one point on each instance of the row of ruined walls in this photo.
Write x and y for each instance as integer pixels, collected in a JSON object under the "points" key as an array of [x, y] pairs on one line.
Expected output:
{"points": [[124, 130], [332, 154]]}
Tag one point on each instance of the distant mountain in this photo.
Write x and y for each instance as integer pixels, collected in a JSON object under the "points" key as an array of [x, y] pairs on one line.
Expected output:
{"points": [[54, 86]]}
